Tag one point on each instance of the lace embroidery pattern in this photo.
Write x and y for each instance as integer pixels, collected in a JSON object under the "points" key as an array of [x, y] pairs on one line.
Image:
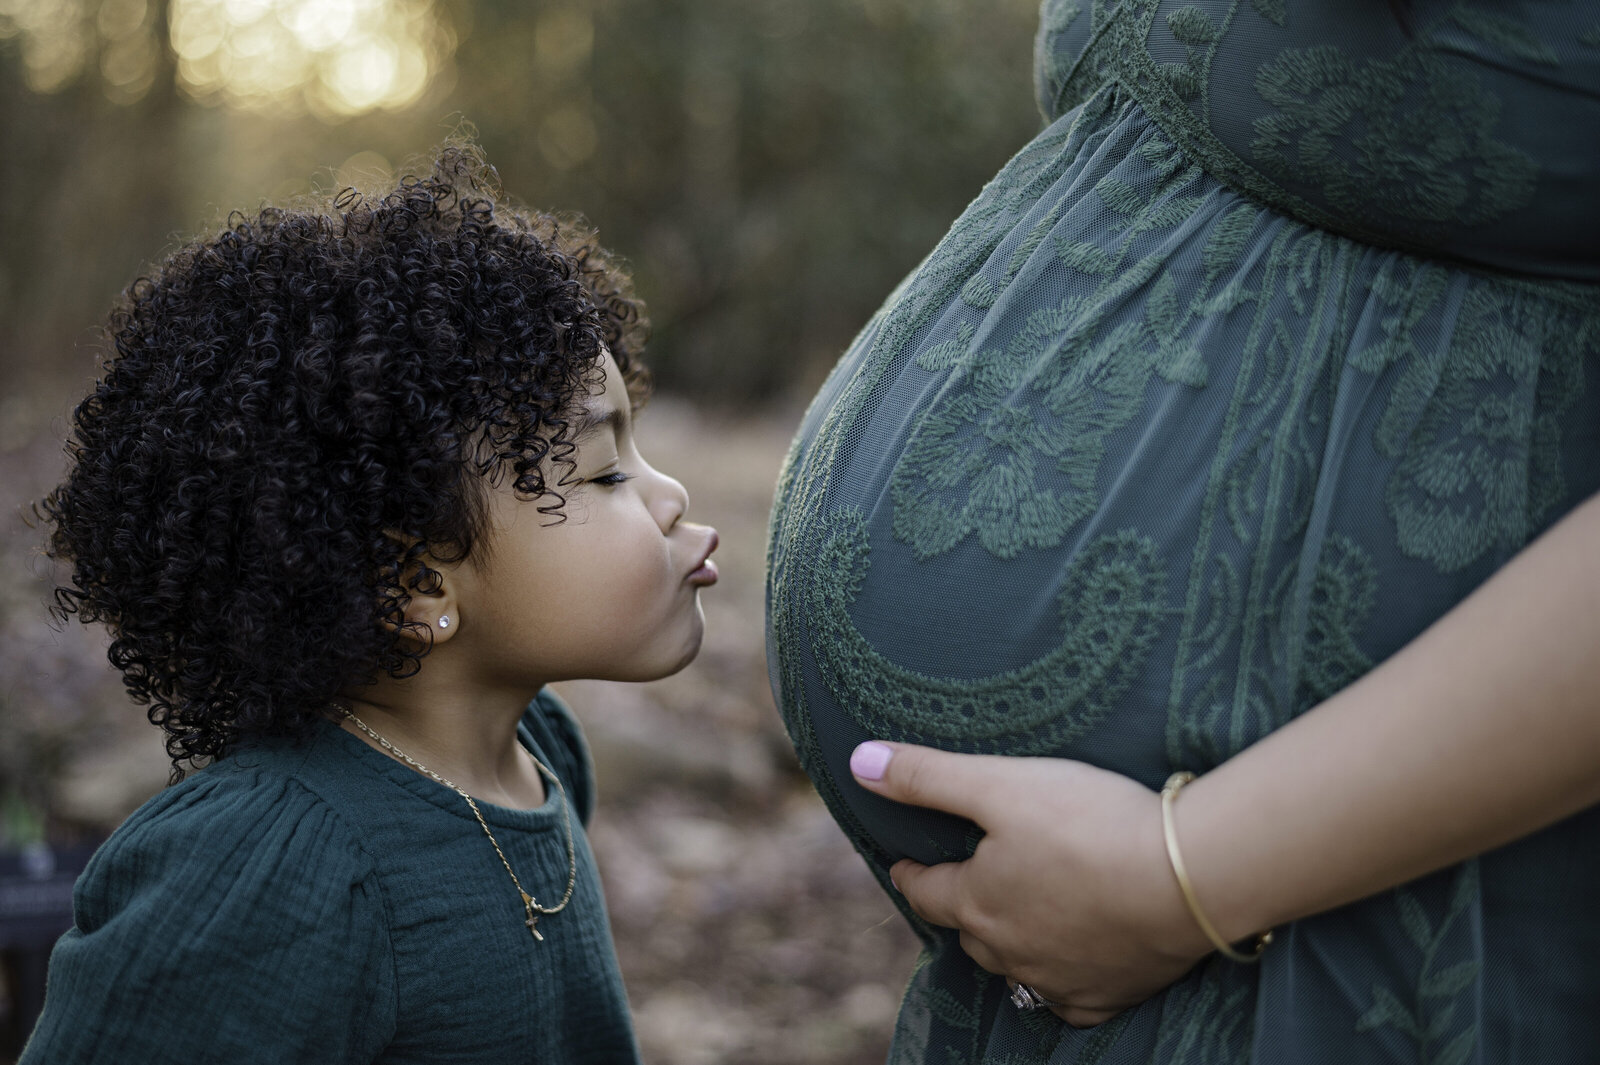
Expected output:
{"points": [[1428, 1011], [1109, 601], [1475, 425], [1206, 1018], [1045, 403], [1360, 133]]}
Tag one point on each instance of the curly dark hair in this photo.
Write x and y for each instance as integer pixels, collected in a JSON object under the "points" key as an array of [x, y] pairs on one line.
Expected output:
{"points": [[300, 412]]}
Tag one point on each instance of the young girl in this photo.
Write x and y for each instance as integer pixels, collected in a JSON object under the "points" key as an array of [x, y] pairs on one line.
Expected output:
{"points": [[354, 488]]}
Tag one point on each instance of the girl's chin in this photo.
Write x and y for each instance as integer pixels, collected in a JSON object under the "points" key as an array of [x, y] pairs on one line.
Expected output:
{"points": [[660, 661]]}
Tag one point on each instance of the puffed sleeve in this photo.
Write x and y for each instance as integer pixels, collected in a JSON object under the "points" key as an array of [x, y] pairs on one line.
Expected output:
{"points": [[556, 732], [231, 919]]}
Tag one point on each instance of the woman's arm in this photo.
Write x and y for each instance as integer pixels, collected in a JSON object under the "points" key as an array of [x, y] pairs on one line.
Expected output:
{"points": [[1483, 729]]}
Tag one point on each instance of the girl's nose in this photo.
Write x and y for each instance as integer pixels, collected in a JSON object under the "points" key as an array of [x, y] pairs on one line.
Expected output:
{"points": [[671, 501]]}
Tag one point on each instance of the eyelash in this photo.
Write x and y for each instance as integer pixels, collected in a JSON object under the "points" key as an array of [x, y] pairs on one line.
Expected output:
{"points": [[615, 477]]}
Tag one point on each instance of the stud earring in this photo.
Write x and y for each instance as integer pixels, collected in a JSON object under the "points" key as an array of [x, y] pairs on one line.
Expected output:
{"points": [[444, 621]]}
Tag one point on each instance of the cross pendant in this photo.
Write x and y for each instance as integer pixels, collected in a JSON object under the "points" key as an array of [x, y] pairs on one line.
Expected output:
{"points": [[533, 919]]}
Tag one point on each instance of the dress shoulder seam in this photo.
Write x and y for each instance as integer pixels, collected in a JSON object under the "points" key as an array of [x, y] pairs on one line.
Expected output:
{"points": [[373, 873]]}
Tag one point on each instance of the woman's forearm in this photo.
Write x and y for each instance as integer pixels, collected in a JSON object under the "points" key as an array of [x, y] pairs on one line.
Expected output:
{"points": [[1483, 729]]}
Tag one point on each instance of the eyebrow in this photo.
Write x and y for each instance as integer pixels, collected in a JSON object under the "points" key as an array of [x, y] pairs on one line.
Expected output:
{"points": [[594, 419]]}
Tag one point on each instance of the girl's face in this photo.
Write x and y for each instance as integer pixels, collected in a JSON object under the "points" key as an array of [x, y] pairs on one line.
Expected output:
{"points": [[613, 591]]}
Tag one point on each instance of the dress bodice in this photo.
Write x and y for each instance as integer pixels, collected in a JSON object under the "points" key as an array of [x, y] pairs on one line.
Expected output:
{"points": [[1468, 131]]}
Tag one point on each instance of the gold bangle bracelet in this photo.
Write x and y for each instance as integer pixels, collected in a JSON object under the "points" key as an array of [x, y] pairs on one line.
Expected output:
{"points": [[1169, 793]]}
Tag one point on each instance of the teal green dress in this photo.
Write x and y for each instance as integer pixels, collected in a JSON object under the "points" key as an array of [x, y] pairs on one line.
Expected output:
{"points": [[1276, 342], [324, 904]]}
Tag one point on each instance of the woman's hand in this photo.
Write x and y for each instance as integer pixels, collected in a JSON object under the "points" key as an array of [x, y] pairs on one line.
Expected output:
{"points": [[1481, 730], [1069, 891]]}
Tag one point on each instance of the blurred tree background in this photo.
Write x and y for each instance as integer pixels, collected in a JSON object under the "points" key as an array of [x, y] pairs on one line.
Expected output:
{"points": [[770, 168]]}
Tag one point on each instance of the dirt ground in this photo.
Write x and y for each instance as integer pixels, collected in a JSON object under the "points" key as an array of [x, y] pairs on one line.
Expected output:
{"points": [[748, 929]]}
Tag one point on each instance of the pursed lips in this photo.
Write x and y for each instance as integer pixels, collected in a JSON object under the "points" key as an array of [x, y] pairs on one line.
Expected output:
{"points": [[705, 570]]}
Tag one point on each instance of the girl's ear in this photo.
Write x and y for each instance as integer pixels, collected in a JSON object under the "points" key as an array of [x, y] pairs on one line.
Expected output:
{"points": [[433, 602], [435, 611]]}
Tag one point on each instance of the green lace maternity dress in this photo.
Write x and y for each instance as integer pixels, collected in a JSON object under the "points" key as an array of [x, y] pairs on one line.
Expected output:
{"points": [[1277, 341]]}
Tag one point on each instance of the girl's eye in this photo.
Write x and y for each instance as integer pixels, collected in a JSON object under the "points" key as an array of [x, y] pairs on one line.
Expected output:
{"points": [[615, 477]]}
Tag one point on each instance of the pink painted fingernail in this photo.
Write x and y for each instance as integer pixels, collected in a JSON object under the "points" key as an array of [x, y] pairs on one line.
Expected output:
{"points": [[870, 759]]}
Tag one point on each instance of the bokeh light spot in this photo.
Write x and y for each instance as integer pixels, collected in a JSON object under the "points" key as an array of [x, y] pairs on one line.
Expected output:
{"points": [[563, 40], [337, 57], [367, 172], [321, 24], [55, 40], [129, 67], [363, 74], [567, 136], [121, 18]]}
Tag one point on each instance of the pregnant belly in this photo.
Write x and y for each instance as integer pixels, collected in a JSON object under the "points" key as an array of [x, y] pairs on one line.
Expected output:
{"points": [[973, 658], [1140, 495], [1011, 638]]}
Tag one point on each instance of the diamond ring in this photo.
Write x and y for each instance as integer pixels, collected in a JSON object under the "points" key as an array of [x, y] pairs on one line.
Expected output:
{"points": [[1026, 998]]}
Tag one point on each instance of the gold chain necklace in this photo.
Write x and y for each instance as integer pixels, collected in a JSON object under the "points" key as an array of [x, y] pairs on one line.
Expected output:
{"points": [[529, 903]]}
